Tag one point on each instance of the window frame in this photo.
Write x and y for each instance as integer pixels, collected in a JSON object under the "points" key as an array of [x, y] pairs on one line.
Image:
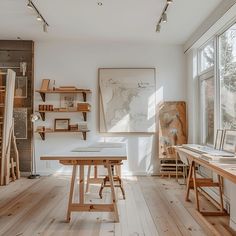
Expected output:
{"points": [[215, 69]]}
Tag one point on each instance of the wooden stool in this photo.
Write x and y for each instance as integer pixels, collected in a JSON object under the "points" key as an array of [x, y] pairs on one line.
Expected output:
{"points": [[117, 181]]}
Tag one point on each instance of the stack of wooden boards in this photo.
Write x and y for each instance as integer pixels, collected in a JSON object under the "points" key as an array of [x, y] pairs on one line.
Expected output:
{"points": [[9, 164]]}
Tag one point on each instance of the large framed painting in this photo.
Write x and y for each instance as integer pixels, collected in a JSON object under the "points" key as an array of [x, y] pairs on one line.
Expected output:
{"points": [[20, 121], [127, 100]]}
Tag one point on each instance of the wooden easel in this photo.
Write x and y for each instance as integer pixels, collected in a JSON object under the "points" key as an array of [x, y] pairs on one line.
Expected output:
{"points": [[10, 160]]}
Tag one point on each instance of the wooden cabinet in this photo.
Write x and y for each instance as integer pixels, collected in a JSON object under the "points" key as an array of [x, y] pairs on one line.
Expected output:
{"points": [[81, 110]]}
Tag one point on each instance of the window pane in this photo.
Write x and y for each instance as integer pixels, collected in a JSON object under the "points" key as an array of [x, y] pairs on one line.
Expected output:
{"points": [[207, 56], [207, 94], [227, 69]]}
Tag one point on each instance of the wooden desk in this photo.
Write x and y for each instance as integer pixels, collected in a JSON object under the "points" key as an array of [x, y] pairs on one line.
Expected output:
{"points": [[106, 156], [227, 171]]}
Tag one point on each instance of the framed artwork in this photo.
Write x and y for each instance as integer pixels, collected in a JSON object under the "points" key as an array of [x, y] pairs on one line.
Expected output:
{"points": [[127, 100], [219, 139], [20, 122], [21, 87], [61, 124], [68, 101], [229, 141]]}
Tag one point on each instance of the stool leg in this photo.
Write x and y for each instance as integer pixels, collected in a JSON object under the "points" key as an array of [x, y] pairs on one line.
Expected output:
{"points": [[121, 187], [88, 178], [102, 187]]}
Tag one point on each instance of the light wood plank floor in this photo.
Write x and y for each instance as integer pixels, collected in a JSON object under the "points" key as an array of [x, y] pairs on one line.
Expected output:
{"points": [[153, 206]]}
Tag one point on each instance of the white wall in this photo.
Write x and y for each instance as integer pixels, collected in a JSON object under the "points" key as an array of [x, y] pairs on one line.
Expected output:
{"points": [[76, 63]]}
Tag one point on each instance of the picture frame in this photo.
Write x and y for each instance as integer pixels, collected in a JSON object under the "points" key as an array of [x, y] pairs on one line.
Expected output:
{"points": [[21, 84], [219, 139], [61, 124], [229, 141], [127, 100], [20, 123], [68, 101]]}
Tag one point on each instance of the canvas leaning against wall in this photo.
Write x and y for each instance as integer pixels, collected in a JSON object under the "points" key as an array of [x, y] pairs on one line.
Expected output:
{"points": [[127, 100]]}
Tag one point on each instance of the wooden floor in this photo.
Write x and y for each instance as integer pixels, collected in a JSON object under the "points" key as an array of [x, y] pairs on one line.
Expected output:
{"points": [[153, 206]]}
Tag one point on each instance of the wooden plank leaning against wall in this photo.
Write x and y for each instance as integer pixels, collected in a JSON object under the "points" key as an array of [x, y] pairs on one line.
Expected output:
{"points": [[12, 52]]}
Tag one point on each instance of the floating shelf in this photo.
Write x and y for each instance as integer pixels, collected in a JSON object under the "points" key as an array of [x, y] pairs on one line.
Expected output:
{"points": [[42, 113], [43, 133], [82, 91]]}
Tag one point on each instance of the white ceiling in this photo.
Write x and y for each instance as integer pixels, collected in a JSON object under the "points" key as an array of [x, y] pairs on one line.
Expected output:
{"points": [[116, 20]]}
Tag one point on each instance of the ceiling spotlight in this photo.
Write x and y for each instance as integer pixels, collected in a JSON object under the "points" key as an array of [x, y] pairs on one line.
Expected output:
{"points": [[29, 5], [100, 4], [169, 1], [164, 17], [158, 28], [39, 18]]}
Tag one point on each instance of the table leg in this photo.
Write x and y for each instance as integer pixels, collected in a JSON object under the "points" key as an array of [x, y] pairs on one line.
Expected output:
{"points": [[88, 178], [81, 184], [188, 181], [113, 195], [221, 193], [72, 185], [195, 186]]}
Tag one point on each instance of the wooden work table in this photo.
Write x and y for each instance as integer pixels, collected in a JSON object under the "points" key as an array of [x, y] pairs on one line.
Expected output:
{"points": [[105, 154], [223, 170]]}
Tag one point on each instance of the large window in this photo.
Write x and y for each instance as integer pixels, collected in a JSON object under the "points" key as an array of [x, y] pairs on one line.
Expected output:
{"points": [[207, 106], [227, 74], [207, 92], [218, 91]]}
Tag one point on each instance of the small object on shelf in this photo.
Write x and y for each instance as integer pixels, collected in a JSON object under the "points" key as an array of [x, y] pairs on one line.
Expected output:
{"points": [[45, 107], [82, 126], [45, 84], [83, 106], [61, 124], [62, 109], [54, 85], [40, 128], [68, 101], [23, 67], [73, 127], [66, 88]]}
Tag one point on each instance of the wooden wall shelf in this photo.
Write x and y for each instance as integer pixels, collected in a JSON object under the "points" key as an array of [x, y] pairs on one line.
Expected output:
{"points": [[42, 113], [43, 133], [84, 92]]}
